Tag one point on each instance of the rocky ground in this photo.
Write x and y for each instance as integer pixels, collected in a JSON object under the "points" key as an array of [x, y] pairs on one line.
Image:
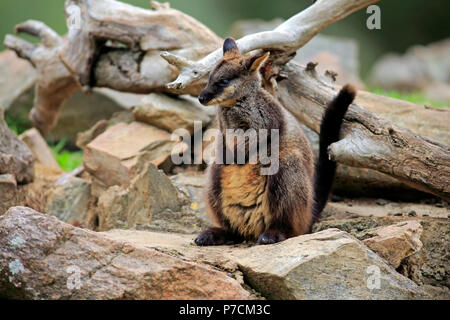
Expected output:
{"points": [[122, 225]]}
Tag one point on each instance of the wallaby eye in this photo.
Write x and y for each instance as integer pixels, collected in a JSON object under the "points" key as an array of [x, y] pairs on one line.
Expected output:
{"points": [[224, 82]]}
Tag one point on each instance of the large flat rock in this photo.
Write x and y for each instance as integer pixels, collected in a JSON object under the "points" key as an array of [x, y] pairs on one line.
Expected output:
{"points": [[330, 264], [44, 258]]}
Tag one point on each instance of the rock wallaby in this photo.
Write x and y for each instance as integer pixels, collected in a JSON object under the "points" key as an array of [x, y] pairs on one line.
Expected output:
{"points": [[245, 204]]}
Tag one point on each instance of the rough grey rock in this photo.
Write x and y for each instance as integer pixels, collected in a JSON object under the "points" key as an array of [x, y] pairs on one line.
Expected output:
{"points": [[192, 186], [44, 258], [150, 192], [326, 265], [70, 200], [15, 157], [430, 266]]}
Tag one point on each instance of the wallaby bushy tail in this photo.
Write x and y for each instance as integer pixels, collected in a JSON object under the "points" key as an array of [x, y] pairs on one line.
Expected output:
{"points": [[329, 133]]}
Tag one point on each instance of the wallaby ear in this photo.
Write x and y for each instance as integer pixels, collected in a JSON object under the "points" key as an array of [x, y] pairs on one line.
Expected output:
{"points": [[230, 46], [257, 61]]}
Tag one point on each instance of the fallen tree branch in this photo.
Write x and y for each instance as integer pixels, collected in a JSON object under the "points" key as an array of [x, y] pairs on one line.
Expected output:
{"points": [[287, 37], [367, 140], [54, 83], [115, 45]]}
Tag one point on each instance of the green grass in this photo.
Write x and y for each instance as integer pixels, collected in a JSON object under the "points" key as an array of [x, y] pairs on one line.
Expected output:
{"points": [[19, 125], [67, 160], [414, 97]]}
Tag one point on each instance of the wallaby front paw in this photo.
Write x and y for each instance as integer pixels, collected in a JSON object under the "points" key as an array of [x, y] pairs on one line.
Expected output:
{"points": [[216, 237], [270, 237]]}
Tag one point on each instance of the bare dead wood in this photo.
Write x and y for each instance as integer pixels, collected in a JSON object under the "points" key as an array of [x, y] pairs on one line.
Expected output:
{"points": [[369, 141], [287, 37], [106, 24], [116, 45], [54, 83]]}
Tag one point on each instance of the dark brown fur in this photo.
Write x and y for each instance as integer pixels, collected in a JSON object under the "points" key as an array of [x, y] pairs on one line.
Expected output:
{"points": [[244, 203]]}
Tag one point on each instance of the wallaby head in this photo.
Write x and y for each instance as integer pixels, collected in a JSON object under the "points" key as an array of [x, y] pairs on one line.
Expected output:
{"points": [[234, 76]]}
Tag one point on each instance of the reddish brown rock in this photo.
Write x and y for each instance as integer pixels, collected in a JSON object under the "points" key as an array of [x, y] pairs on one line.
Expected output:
{"points": [[44, 258], [396, 242], [113, 157]]}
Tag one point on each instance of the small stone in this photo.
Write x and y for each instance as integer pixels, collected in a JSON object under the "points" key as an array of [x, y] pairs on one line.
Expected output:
{"points": [[8, 191], [412, 213], [69, 201], [381, 202], [439, 205], [349, 204]]}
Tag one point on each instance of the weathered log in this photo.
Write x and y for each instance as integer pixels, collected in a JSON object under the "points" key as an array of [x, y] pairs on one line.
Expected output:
{"points": [[114, 45], [369, 141]]}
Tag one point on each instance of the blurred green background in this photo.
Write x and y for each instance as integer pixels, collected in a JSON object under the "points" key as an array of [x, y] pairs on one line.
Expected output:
{"points": [[404, 23]]}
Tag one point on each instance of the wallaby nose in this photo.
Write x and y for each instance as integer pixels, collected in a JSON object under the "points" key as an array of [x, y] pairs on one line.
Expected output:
{"points": [[203, 98]]}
